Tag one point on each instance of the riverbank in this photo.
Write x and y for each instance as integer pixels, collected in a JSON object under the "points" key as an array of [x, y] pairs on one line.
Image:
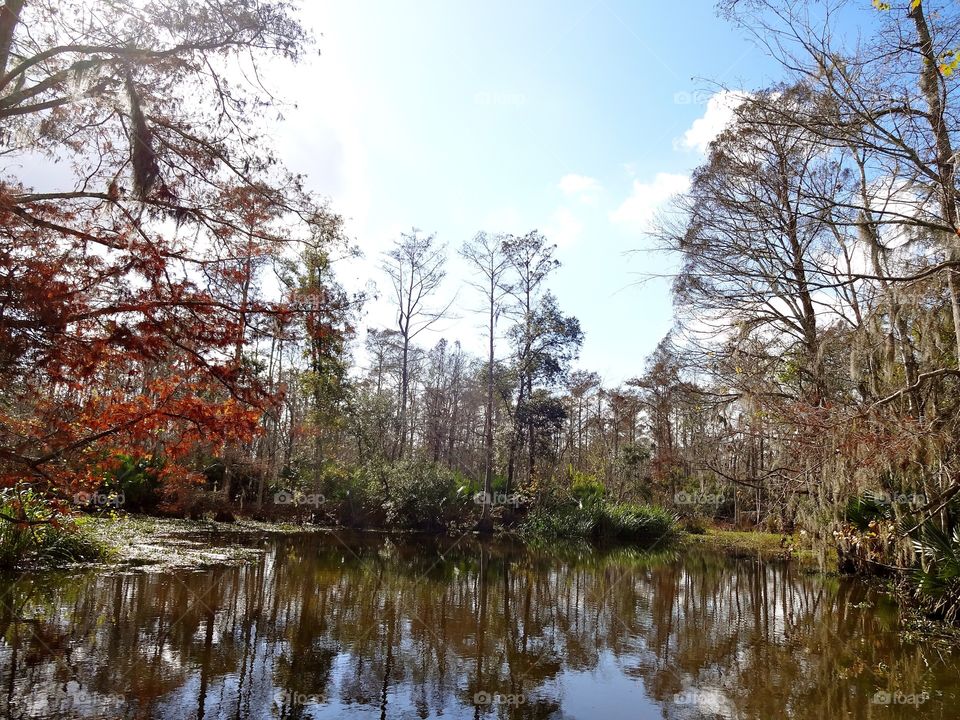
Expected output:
{"points": [[157, 543], [769, 546], [160, 543]]}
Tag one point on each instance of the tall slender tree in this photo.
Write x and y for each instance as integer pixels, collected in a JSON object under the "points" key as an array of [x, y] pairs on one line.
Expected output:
{"points": [[415, 266], [532, 261], [487, 257]]}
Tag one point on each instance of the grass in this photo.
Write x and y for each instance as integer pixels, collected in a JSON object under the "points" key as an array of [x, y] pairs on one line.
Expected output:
{"points": [[768, 545], [48, 544], [627, 522], [35, 532], [740, 540], [623, 522], [568, 523]]}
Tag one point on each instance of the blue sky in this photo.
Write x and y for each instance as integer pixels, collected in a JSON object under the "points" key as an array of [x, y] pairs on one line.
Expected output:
{"points": [[576, 118]]}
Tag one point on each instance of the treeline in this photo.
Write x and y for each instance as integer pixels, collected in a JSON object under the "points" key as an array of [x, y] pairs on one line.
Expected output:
{"points": [[816, 358], [173, 336], [414, 434]]}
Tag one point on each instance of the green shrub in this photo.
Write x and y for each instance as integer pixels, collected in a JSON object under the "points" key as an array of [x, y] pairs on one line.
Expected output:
{"points": [[861, 511], [414, 494], [629, 522], [695, 524], [585, 488], [136, 480], [468, 487], [623, 522], [34, 532], [353, 497], [560, 522]]}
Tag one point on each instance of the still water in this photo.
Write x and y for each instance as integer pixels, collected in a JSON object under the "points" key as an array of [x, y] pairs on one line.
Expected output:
{"points": [[364, 626]]}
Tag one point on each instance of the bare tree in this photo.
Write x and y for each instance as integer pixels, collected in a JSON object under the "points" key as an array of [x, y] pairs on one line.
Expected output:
{"points": [[888, 98], [416, 266], [487, 256]]}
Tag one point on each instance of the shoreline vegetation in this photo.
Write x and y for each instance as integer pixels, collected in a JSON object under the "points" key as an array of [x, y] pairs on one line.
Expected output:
{"points": [[156, 543], [125, 542], [408, 497], [120, 541]]}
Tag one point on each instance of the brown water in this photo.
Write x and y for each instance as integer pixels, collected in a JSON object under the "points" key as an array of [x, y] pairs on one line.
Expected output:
{"points": [[350, 626]]}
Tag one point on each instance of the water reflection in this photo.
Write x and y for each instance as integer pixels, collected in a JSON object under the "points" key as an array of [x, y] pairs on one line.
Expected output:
{"points": [[373, 627]]}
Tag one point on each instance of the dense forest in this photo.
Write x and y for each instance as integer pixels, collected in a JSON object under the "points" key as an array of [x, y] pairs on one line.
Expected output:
{"points": [[174, 338]]}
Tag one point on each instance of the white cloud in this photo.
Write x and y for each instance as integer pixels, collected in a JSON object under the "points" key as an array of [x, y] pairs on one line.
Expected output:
{"points": [[580, 186], [716, 117], [564, 228], [323, 135], [640, 207]]}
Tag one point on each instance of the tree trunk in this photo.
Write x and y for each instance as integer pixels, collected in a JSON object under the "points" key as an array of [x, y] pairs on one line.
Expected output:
{"points": [[486, 522], [9, 17], [930, 87]]}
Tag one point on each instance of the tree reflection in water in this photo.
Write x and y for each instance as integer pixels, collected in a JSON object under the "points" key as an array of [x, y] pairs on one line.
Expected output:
{"points": [[362, 626]]}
